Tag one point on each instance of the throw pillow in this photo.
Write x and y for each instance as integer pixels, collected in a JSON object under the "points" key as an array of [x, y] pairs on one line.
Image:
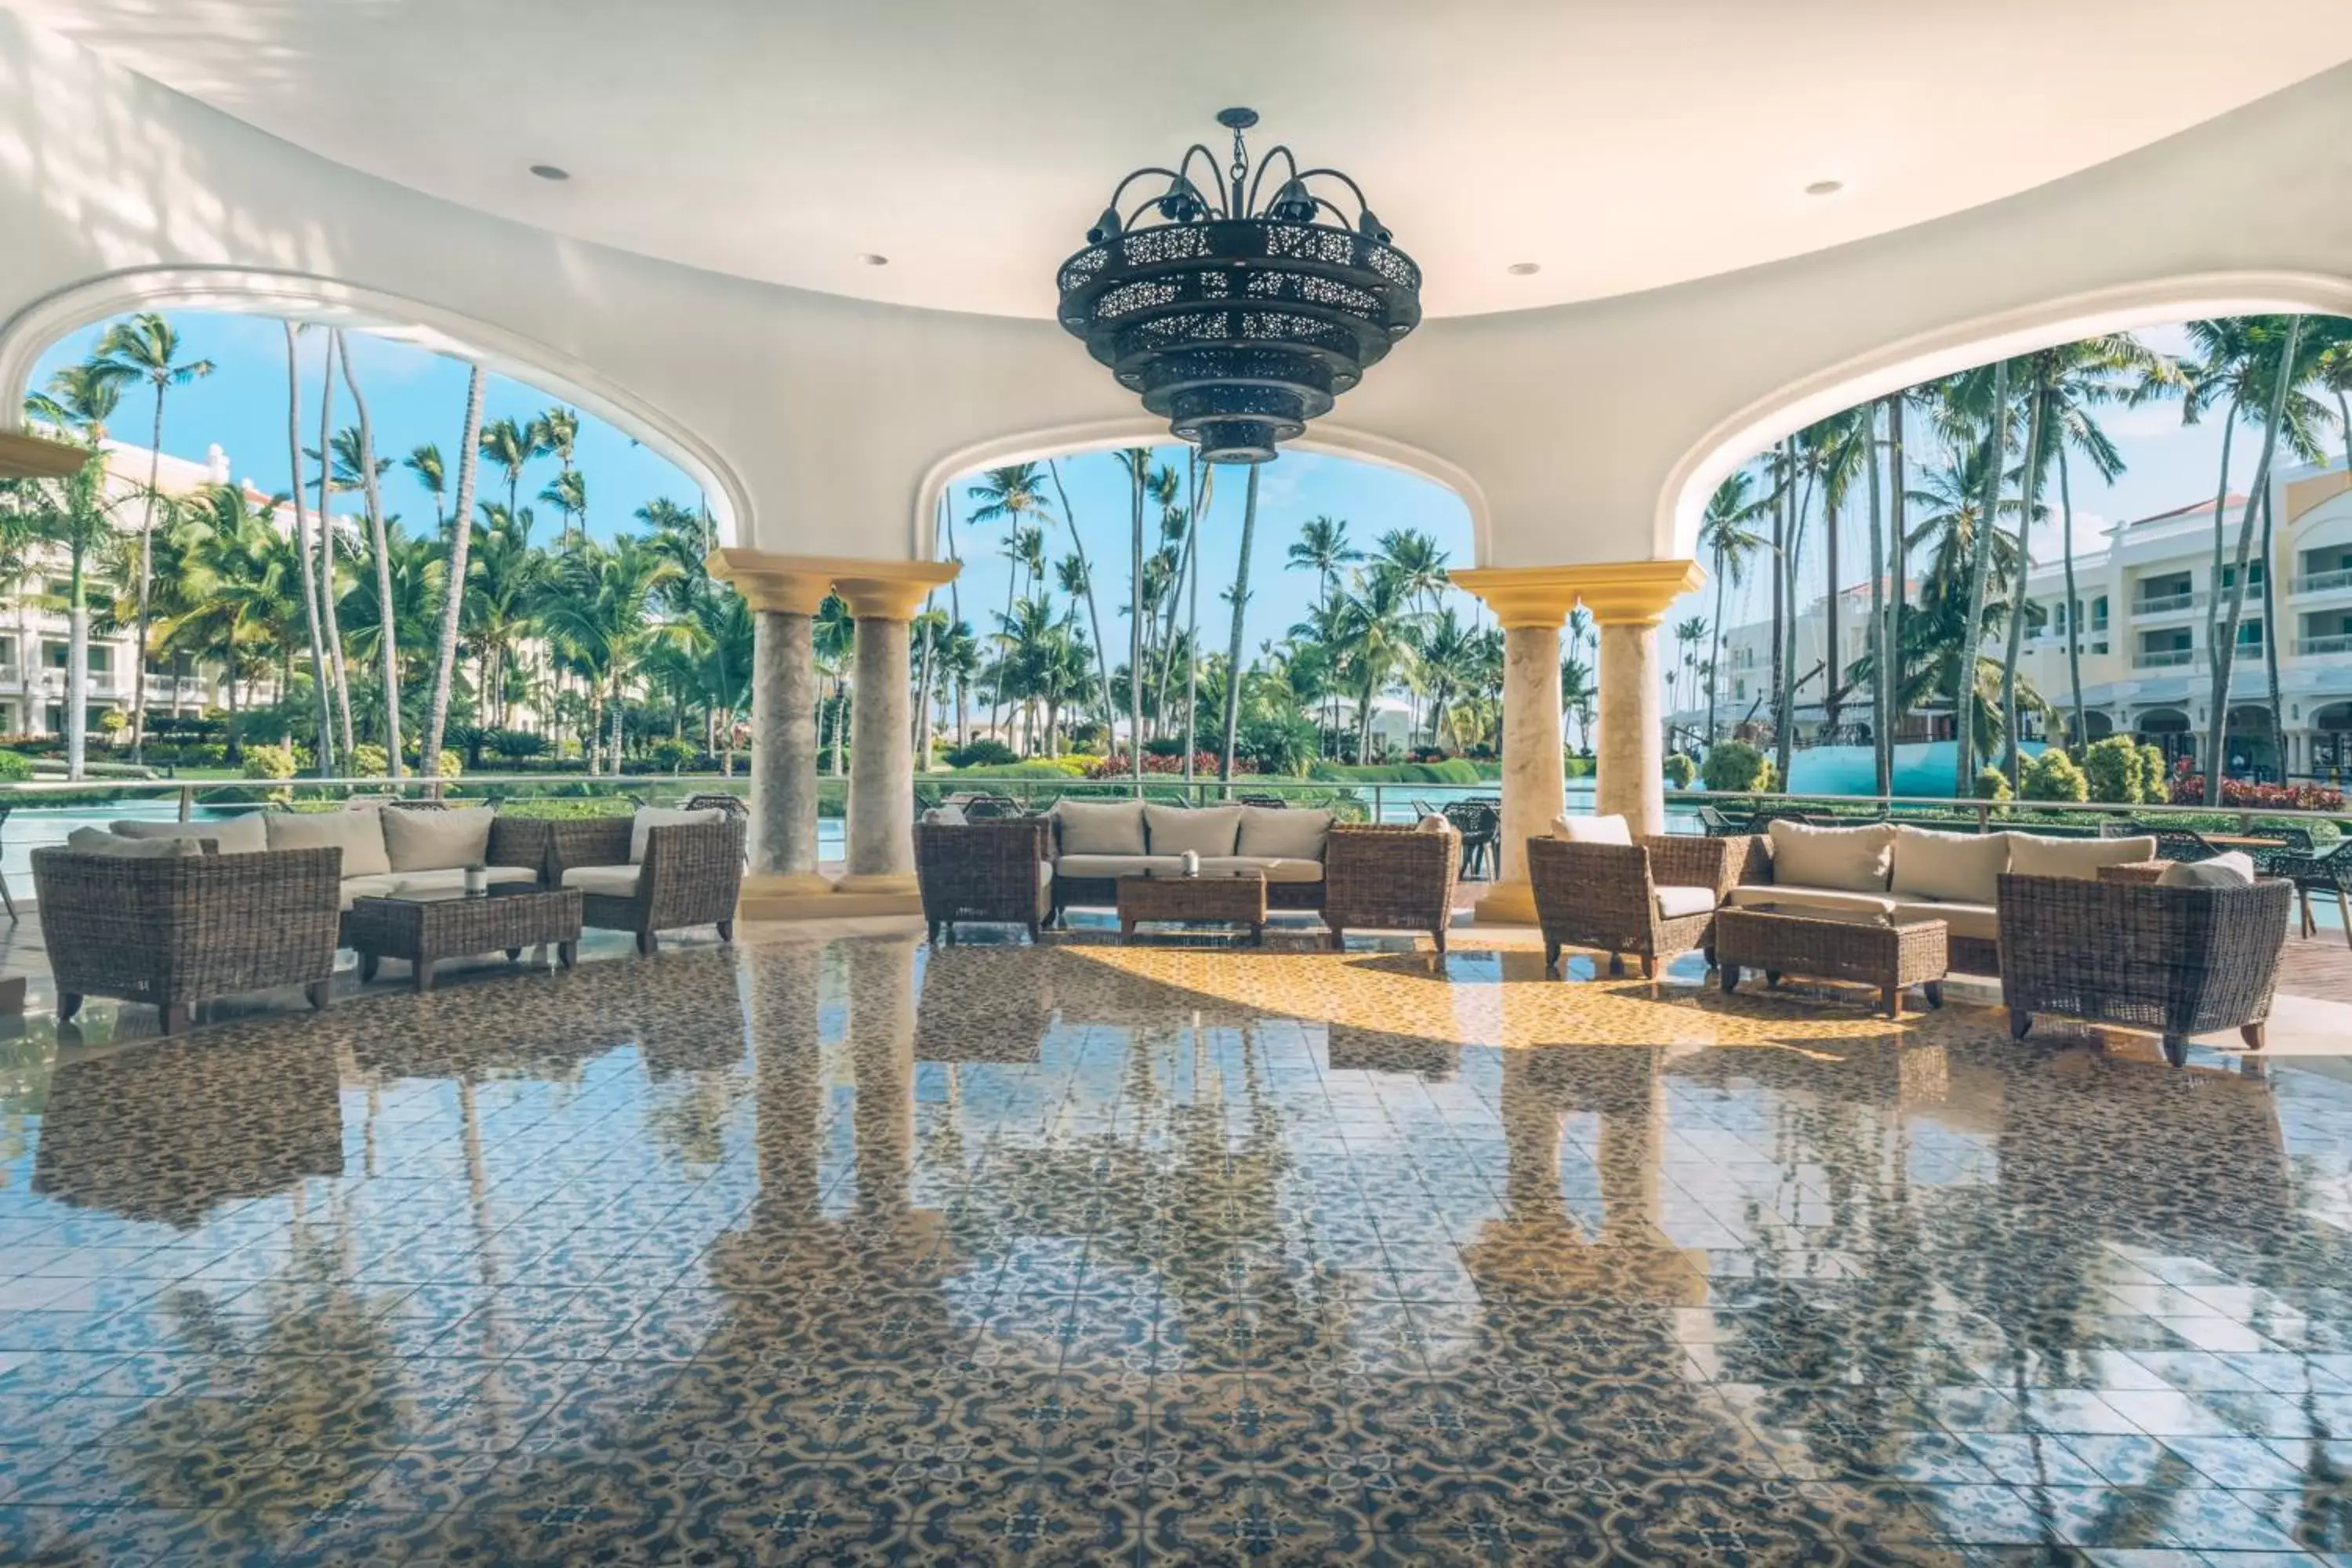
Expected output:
{"points": [[945, 816], [1854, 859], [357, 833], [1213, 830], [114, 845], [1434, 823], [2038, 855], [1277, 833], [1965, 867], [241, 835], [649, 817], [438, 840], [2231, 870], [1592, 830], [1113, 827]]}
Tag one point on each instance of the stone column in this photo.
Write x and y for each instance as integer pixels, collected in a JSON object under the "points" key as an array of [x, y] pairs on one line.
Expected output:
{"points": [[784, 598], [1531, 602], [881, 734], [1628, 599]]}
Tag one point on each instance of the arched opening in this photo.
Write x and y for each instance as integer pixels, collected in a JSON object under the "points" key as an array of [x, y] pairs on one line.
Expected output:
{"points": [[2168, 730], [2331, 741], [2249, 744]]}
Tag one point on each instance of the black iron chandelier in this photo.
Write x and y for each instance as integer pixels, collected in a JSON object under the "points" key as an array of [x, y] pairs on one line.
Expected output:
{"points": [[1239, 321]]}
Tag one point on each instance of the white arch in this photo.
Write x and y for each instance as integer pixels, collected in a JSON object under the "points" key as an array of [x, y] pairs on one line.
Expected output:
{"points": [[1962, 345], [1143, 430], [27, 334]]}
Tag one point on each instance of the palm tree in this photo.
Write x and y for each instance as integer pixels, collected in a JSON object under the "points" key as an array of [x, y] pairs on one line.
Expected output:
{"points": [[1322, 549], [1688, 635], [224, 591], [1011, 495], [554, 434], [567, 494], [388, 635], [1996, 412], [508, 445], [1834, 451], [461, 541], [73, 513], [507, 577], [327, 591], [1136, 461], [1449, 657], [600, 607], [1377, 627], [424, 462], [1727, 534], [146, 348], [1240, 595], [323, 748]]}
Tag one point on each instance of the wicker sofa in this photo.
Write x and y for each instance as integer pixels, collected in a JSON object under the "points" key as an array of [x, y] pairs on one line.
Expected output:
{"points": [[406, 846], [654, 872], [174, 929], [2179, 961], [1653, 897], [1096, 843], [1899, 870]]}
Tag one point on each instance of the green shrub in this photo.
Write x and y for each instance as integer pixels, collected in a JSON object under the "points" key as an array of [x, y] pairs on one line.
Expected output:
{"points": [[671, 754], [1735, 767], [2052, 776], [14, 767], [2113, 770], [2156, 776], [1281, 744], [268, 762], [1575, 765], [368, 761], [1992, 784], [1680, 771], [516, 745], [1454, 771], [982, 753]]}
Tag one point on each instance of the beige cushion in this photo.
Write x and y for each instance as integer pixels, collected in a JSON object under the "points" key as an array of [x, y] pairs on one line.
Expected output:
{"points": [[233, 835], [98, 841], [1115, 828], [1964, 865], [611, 881], [1853, 859], [1592, 830], [1673, 903], [2231, 870], [1272, 867], [1045, 873], [376, 887], [945, 816], [2038, 855], [357, 833], [1171, 831], [438, 840], [1279, 834], [1092, 866], [1433, 823], [1964, 917], [649, 817], [1810, 898], [449, 879]]}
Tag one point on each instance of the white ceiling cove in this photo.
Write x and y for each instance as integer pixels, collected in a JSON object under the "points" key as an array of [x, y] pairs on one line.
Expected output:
{"points": [[1617, 146]]}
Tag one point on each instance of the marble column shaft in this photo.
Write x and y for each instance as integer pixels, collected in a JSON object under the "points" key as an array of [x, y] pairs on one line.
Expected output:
{"points": [[1535, 788], [785, 751], [881, 760], [1631, 747]]}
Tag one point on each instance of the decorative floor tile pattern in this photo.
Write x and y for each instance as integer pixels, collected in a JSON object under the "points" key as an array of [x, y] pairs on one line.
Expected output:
{"points": [[862, 1251]]}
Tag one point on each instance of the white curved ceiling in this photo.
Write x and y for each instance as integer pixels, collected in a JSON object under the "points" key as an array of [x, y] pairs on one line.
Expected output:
{"points": [[1620, 146]]}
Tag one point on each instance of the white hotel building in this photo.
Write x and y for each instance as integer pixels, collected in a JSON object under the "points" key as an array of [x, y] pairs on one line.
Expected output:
{"points": [[2141, 602]]}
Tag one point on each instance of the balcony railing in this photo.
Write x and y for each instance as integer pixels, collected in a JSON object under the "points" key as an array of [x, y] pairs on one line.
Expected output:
{"points": [[2324, 581], [2333, 642], [2164, 659], [2167, 603]]}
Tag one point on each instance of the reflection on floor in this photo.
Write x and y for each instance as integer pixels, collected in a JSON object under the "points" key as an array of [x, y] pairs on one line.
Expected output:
{"points": [[865, 1251]]}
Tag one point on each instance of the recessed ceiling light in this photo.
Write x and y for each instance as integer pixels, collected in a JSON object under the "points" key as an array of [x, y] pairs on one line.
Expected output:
{"points": [[550, 171], [873, 259], [1824, 188], [1524, 269]]}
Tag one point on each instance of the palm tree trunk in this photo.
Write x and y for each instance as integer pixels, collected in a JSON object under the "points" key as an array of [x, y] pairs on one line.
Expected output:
{"points": [[1832, 674], [453, 601], [2225, 653], [1134, 636], [2074, 604], [922, 737], [1364, 722], [1714, 646], [387, 622], [327, 549], [1193, 652], [1881, 749], [1783, 546], [1108, 705], [76, 713], [2029, 487], [325, 749], [1964, 664], [146, 581], [1234, 642], [1898, 564], [620, 714], [2221, 549], [2270, 639]]}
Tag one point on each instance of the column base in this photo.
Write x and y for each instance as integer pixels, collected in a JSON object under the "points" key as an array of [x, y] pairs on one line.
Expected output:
{"points": [[1510, 903], [878, 882], [812, 898]]}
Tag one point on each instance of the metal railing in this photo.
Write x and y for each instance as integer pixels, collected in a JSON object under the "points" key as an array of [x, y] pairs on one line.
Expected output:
{"points": [[2169, 603], [2164, 659], [2324, 581], [2333, 642]]}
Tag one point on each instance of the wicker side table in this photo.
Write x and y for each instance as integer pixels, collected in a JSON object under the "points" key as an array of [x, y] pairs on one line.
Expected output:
{"points": [[425, 928], [1831, 944], [1239, 897]]}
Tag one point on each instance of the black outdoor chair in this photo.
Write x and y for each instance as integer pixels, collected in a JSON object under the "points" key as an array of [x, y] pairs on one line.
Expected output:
{"points": [[1718, 826], [2293, 844], [1267, 802], [991, 808], [2175, 843], [1481, 826], [7, 897], [2326, 872]]}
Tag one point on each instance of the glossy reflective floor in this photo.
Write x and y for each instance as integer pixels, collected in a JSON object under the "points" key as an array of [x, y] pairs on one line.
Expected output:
{"points": [[865, 1251]]}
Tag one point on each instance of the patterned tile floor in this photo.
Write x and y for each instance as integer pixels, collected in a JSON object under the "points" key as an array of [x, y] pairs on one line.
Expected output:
{"points": [[858, 1251]]}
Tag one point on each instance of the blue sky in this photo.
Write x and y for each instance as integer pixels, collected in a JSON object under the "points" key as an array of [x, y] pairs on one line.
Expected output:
{"points": [[416, 396]]}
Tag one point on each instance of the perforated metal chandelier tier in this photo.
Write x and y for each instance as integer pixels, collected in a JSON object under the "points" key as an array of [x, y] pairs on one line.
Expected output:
{"points": [[1239, 321]]}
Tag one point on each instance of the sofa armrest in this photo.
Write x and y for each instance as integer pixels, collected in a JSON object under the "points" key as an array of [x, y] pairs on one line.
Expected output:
{"points": [[1680, 860], [574, 842]]}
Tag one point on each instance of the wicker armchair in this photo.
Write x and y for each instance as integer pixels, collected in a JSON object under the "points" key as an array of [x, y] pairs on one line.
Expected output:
{"points": [[691, 875], [174, 930], [1388, 879], [1605, 896], [2178, 960], [987, 870]]}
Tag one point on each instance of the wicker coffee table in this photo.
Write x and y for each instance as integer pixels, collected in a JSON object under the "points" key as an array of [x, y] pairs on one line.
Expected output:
{"points": [[1833, 944], [1236, 896], [425, 928]]}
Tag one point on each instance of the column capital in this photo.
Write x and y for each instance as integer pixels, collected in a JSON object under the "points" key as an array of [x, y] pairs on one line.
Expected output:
{"points": [[1634, 593], [797, 584], [1523, 596]]}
